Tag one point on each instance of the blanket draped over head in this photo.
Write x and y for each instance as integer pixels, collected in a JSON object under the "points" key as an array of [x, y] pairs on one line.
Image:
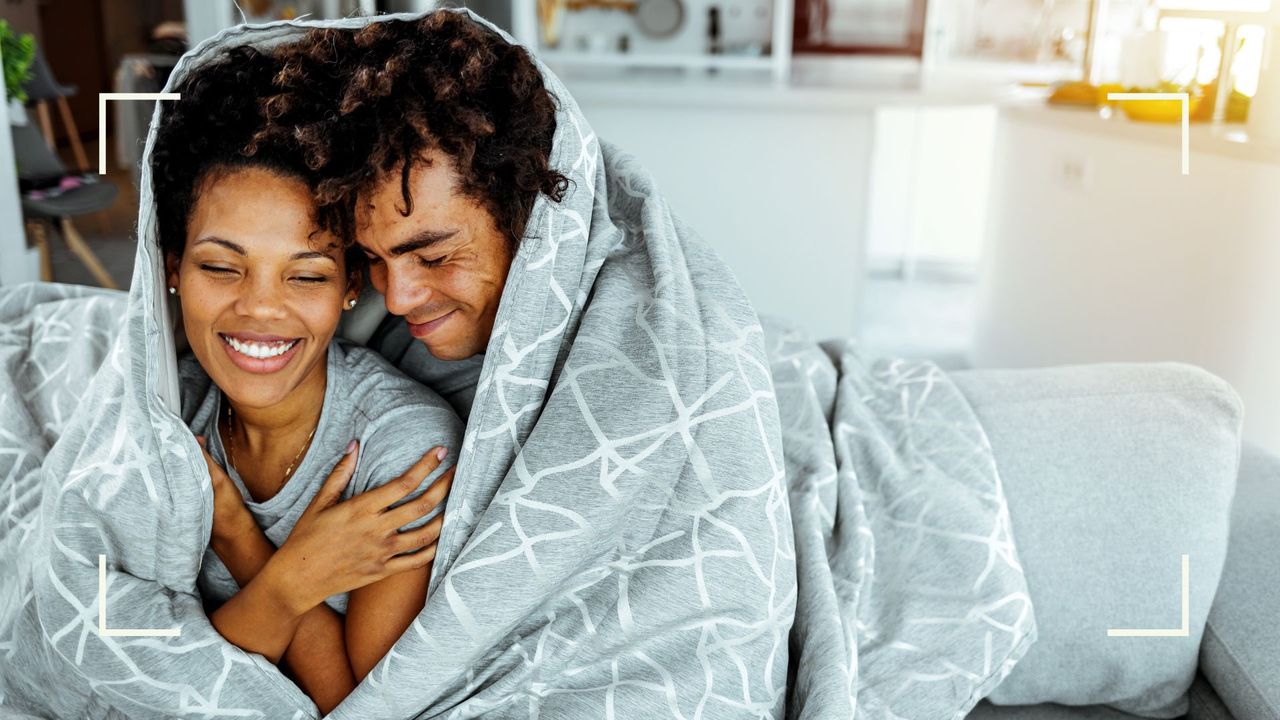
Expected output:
{"points": [[663, 508]]}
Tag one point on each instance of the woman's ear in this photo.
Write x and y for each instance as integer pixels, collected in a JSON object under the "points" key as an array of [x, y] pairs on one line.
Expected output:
{"points": [[171, 264], [355, 284]]}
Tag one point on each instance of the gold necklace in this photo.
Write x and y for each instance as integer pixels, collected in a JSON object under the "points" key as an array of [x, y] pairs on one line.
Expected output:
{"points": [[231, 449]]}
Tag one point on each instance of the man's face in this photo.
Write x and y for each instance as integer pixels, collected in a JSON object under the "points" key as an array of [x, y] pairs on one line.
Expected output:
{"points": [[443, 267]]}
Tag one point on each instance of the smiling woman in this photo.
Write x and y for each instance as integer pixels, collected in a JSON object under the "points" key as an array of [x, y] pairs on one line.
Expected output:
{"points": [[263, 292], [320, 575]]}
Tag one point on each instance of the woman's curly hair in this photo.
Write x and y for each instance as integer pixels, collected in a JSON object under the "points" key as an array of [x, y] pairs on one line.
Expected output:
{"points": [[364, 105], [213, 129]]}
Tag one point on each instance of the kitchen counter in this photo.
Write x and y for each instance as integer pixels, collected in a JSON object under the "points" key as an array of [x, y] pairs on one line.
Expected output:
{"points": [[822, 85], [1230, 140]]}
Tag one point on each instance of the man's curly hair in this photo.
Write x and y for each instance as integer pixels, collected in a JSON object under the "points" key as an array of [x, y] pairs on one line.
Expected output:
{"points": [[213, 129], [364, 105]]}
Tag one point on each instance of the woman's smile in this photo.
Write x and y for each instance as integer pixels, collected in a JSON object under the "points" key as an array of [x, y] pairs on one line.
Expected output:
{"points": [[259, 354]]}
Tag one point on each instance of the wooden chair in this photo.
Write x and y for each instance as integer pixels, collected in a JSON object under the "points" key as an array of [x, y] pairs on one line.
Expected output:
{"points": [[43, 88], [37, 162]]}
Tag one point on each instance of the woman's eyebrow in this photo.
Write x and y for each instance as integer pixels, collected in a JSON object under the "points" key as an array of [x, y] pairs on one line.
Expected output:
{"points": [[233, 247], [312, 255], [239, 249]]}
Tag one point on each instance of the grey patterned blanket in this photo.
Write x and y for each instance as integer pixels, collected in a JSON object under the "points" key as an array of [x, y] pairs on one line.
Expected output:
{"points": [[663, 507]]}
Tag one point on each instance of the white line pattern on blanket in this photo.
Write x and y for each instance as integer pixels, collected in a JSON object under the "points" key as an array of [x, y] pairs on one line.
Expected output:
{"points": [[626, 536]]}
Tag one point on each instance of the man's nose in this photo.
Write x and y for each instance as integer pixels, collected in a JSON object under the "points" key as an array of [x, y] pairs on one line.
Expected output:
{"points": [[403, 293]]}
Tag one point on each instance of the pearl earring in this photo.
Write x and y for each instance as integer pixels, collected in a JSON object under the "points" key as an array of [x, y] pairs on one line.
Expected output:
{"points": [[173, 290], [352, 303]]}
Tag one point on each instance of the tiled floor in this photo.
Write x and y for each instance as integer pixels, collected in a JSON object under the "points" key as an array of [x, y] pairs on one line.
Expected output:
{"points": [[919, 318]]}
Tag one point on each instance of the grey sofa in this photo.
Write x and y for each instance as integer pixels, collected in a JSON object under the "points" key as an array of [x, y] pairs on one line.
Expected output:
{"points": [[1237, 674]]}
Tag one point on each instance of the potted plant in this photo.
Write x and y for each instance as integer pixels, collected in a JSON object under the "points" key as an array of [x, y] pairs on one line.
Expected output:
{"points": [[17, 52]]}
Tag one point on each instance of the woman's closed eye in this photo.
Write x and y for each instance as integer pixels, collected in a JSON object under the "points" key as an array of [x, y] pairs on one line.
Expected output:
{"points": [[216, 269], [311, 279]]}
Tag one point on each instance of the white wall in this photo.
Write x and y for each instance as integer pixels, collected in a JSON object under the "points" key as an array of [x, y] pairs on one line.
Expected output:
{"points": [[18, 263], [930, 180], [1133, 261], [206, 18], [780, 193]]}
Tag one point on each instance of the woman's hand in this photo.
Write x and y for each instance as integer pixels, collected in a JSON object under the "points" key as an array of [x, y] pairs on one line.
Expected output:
{"points": [[336, 547], [229, 511]]}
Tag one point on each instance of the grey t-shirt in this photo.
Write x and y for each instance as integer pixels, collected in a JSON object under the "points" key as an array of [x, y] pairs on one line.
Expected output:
{"points": [[395, 419], [456, 380]]}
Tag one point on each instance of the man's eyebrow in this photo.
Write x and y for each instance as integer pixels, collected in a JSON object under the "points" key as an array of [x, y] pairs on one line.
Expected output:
{"points": [[424, 239], [233, 247]]}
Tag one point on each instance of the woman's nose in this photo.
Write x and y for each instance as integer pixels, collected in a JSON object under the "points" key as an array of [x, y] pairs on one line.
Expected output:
{"points": [[262, 299]]}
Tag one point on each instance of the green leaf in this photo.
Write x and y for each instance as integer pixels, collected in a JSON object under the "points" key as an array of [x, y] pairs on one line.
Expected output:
{"points": [[17, 52]]}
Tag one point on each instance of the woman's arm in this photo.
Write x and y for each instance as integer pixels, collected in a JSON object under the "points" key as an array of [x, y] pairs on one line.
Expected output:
{"points": [[261, 618], [378, 614], [316, 657], [334, 547]]}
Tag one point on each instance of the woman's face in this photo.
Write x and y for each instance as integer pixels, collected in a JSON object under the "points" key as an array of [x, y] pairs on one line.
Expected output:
{"points": [[261, 287]]}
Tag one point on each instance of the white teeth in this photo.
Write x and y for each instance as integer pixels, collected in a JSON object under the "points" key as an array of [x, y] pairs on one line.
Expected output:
{"points": [[259, 350]]}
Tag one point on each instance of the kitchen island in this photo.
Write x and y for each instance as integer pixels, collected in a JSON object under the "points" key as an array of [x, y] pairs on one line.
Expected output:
{"points": [[1100, 249], [810, 174]]}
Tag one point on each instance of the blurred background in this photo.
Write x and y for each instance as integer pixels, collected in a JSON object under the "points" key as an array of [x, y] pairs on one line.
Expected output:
{"points": [[943, 179]]}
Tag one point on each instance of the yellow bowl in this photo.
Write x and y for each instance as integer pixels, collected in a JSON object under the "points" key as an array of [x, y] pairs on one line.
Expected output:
{"points": [[1159, 111]]}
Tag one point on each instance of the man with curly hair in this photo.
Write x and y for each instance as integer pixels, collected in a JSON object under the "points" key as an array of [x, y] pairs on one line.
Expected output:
{"points": [[432, 159], [617, 541]]}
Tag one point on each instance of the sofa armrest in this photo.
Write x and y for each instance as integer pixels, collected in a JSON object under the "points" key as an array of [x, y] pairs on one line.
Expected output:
{"points": [[1240, 653], [1111, 472]]}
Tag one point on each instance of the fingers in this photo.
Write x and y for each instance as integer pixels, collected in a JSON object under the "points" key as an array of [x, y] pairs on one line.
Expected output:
{"points": [[338, 479], [407, 482], [418, 537], [423, 504], [414, 561]]}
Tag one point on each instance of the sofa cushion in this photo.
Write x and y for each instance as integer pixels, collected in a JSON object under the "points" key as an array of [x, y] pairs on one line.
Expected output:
{"points": [[1112, 473], [1240, 654], [1046, 711], [1205, 703]]}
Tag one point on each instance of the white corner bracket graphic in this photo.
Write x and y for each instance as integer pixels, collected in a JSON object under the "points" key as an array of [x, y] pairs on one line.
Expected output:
{"points": [[1186, 118], [102, 118], [1185, 630], [105, 631]]}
